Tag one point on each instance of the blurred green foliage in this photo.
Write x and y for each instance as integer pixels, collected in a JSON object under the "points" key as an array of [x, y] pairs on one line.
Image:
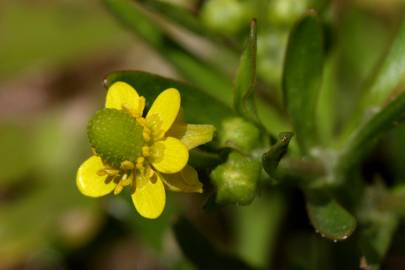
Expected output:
{"points": [[330, 73]]}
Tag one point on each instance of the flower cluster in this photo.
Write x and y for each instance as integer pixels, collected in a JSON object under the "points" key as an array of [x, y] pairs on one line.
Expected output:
{"points": [[145, 153]]}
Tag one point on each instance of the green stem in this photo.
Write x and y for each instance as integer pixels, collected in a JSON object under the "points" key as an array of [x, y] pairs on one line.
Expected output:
{"points": [[367, 135]]}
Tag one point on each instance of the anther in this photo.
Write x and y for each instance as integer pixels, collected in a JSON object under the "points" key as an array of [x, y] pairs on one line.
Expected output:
{"points": [[139, 162], [111, 172], [127, 165], [150, 172], [126, 182], [158, 134], [145, 151], [146, 136], [141, 121], [118, 189], [101, 172]]}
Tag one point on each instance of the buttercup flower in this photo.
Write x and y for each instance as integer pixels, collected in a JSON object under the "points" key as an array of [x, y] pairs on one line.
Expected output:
{"points": [[143, 153]]}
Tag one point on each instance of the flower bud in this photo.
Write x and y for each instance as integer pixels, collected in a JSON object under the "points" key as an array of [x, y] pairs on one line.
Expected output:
{"points": [[227, 16], [285, 12], [236, 180], [239, 134]]}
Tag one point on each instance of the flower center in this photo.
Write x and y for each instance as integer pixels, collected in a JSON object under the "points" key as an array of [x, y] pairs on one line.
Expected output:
{"points": [[115, 136]]}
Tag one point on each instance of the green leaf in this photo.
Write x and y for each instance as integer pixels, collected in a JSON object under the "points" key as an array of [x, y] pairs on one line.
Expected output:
{"points": [[367, 135], [387, 80], [390, 74], [302, 76], [197, 248], [225, 47], [257, 241], [199, 107], [328, 217], [326, 114], [245, 81], [179, 15], [272, 157], [207, 77]]}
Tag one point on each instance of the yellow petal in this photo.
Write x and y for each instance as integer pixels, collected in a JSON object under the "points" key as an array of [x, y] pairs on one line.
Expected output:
{"points": [[121, 95], [165, 109], [189, 134], [185, 181], [89, 182], [149, 198], [169, 155], [192, 135]]}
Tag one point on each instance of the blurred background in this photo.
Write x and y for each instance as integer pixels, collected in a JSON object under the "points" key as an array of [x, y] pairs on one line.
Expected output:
{"points": [[54, 56]]}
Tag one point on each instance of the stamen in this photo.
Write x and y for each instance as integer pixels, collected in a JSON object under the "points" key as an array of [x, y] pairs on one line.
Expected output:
{"points": [[101, 172], [158, 134], [118, 189], [157, 150], [145, 151], [129, 110], [109, 179], [149, 172], [126, 182], [111, 172], [139, 162], [146, 135], [141, 106], [153, 176], [127, 165], [142, 180], [141, 121]]}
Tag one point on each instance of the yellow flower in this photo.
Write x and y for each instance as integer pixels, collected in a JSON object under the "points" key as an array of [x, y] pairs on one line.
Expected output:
{"points": [[144, 153]]}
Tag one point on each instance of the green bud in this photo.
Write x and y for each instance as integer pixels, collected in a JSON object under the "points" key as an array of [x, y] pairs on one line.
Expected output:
{"points": [[239, 134], [226, 16], [285, 12], [116, 136], [236, 180]]}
